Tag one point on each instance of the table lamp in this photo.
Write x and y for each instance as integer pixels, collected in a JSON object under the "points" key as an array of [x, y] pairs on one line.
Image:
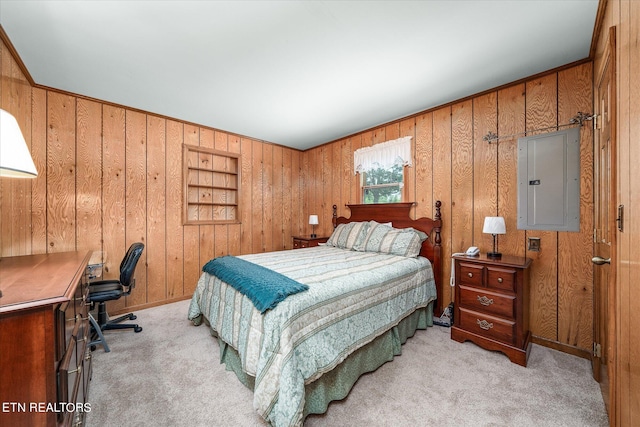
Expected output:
{"points": [[494, 225], [313, 221], [15, 160]]}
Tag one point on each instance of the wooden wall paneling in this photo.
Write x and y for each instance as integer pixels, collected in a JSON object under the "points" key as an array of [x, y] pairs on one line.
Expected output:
{"points": [[334, 196], [267, 198], [485, 169], [136, 197], [191, 240], [337, 173], [380, 135], [156, 248], [575, 270], [207, 161], [113, 195], [89, 175], [391, 132], [307, 191], [424, 166], [354, 188], [541, 112], [511, 121], [20, 107], [257, 206], [246, 196], [6, 187], [173, 209], [442, 153], [347, 177], [324, 210], [221, 232], [61, 172], [298, 198], [408, 128], [462, 174], [288, 194], [234, 230], [39, 184], [277, 228], [629, 292], [312, 187], [317, 169]]}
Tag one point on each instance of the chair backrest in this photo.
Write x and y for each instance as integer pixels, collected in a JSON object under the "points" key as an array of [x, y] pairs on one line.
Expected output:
{"points": [[128, 265]]}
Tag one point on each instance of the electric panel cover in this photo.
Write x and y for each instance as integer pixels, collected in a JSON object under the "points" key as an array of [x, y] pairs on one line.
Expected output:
{"points": [[549, 181]]}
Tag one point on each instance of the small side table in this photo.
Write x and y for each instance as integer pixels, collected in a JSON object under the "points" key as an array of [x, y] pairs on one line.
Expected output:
{"points": [[307, 242], [492, 304]]}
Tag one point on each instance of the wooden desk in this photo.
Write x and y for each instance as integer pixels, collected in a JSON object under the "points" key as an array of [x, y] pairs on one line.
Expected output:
{"points": [[45, 363]]}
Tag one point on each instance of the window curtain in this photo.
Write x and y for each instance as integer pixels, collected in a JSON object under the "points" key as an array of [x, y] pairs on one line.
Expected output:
{"points": [[383, 155]]}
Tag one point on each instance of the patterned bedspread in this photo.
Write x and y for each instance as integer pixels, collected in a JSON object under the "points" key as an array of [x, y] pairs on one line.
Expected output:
{"points": [[352, 298]]}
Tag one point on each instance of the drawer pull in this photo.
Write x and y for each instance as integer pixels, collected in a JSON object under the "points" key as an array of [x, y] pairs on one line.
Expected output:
{"points": [[485, 301], [470, 274], [499, 279], [484, 324]]}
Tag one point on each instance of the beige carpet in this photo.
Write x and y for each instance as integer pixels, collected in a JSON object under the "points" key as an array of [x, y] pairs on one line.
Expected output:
{"points": [[170, 375]]}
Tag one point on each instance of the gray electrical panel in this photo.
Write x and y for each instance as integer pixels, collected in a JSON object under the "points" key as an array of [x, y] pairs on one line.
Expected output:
{"points": [[549, 181]]}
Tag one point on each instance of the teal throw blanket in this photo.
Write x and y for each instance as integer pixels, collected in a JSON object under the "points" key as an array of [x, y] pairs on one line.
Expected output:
{"points": [[264, 287]]}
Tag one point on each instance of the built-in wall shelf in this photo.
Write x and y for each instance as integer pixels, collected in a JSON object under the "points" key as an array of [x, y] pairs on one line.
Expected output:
{"points": [[211, 186]]}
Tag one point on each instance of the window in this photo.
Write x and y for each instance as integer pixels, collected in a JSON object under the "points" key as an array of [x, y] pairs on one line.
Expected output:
{"points": [[381, 169], [211, 186], [383, 185]]}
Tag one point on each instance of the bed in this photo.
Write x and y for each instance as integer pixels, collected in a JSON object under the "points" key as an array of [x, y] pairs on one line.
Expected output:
{"points": [[364, 293]]}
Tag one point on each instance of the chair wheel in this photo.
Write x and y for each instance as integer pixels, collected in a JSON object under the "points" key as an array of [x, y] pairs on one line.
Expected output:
{"points": [[137, 329], [93, 348], [132, 317]]}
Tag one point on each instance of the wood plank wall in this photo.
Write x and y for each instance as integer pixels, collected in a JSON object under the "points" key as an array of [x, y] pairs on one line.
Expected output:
{"points": [[110, 176], [474, 179]]}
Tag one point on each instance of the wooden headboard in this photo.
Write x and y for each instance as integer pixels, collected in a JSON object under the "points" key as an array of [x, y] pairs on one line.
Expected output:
{"points": [[399, 215]]}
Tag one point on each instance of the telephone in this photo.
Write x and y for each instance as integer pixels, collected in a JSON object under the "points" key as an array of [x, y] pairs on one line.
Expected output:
{"points": [[472, 251]]}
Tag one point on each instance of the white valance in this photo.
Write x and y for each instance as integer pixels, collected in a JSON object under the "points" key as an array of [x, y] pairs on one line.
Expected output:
{"points": [[383, 155]]}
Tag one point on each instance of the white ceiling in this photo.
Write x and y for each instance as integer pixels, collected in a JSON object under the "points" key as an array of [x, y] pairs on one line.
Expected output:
{"points": [[295, 73]]}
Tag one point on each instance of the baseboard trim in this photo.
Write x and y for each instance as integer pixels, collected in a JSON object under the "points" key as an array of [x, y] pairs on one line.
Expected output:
{"points": [[565, 348], [124, 310]]}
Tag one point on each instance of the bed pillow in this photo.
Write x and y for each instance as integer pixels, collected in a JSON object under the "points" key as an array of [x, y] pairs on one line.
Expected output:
{"points": [[395, 241], [349, 235]]}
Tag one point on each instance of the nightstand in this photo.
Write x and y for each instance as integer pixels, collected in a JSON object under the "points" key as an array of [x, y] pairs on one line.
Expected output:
{"points": [[307, 242], [492, 304]]}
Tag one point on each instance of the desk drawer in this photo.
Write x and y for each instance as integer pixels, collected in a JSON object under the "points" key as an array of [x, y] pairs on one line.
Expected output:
{"points": [[485, 301], [502, 330], [471, 274], [502, 279]]}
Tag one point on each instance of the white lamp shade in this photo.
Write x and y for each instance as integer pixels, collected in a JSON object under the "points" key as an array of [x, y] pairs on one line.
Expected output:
{"points": [[494, 225], [15, 160], [313, 219]]}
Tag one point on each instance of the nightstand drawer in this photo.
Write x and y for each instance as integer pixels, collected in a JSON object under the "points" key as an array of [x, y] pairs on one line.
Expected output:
{"points": [[471, 274], [298, 244], [489, 326], [502, 279], [488, 302]]}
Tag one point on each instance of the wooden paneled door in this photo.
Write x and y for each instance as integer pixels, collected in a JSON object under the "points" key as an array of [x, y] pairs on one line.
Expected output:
{"points": [[605, 226]]}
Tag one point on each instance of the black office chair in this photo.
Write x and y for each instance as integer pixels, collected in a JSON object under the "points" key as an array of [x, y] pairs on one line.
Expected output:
{"points": [[107, 290]]}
